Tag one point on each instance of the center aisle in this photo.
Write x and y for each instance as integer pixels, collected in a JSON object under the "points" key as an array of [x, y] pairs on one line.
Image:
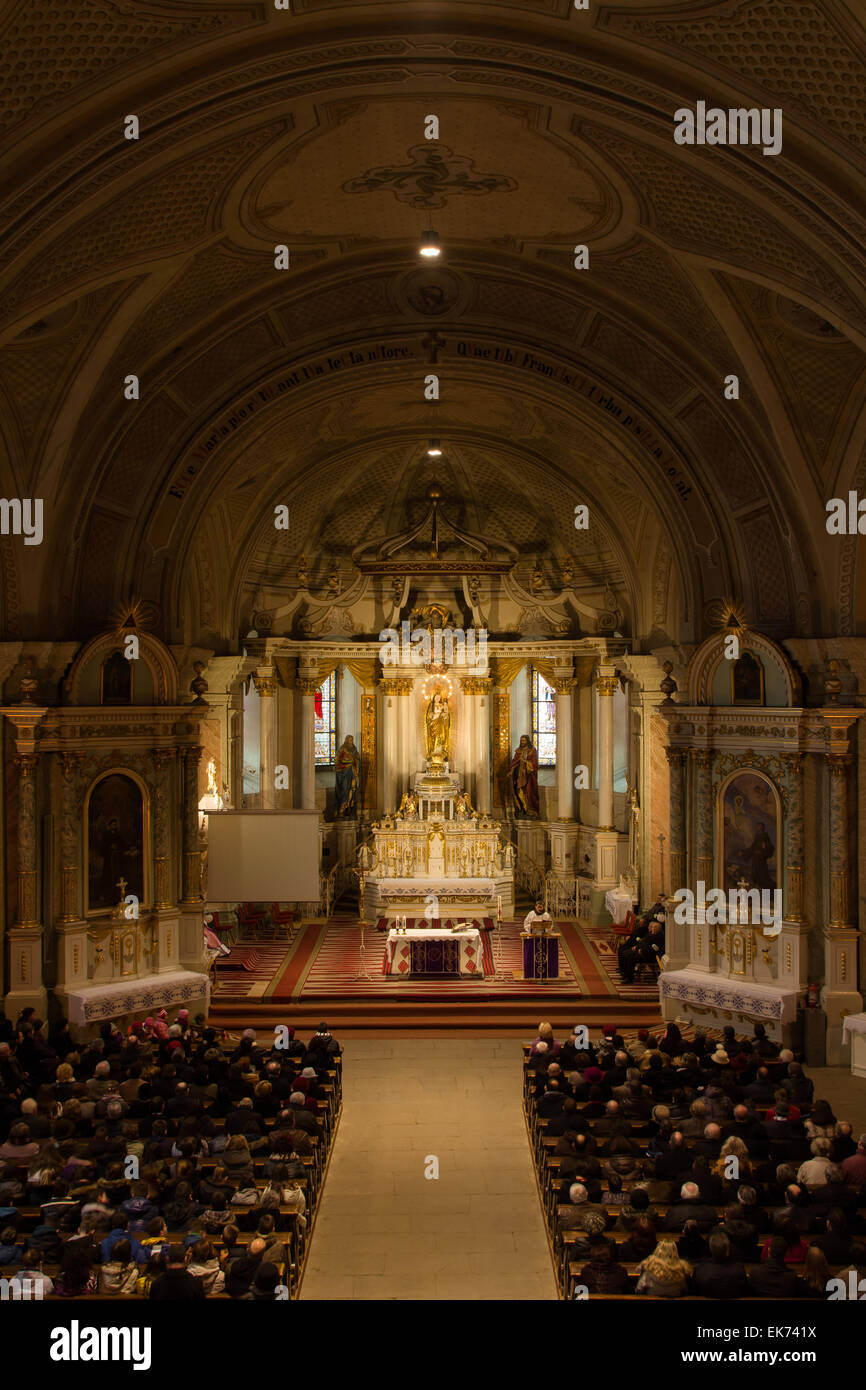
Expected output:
{"points": [[384, 1230]]}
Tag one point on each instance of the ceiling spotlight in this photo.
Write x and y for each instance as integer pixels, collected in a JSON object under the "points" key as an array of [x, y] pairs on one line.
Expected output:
{"points": [[433, 449], [430, 244]]}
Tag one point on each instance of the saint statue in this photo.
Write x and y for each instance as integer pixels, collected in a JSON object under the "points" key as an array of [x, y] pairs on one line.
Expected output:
{"points": [[437, 722], [408, 808], [348, 766], [462, 806], [523, 777]]}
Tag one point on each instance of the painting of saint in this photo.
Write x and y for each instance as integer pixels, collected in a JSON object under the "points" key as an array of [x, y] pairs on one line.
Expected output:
{"points": [[750, 826], [523, 777], [115, 841]]}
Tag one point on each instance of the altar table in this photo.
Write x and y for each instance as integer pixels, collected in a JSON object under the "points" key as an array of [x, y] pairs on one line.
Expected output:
{"points": [[540, 956], [432, 951]]}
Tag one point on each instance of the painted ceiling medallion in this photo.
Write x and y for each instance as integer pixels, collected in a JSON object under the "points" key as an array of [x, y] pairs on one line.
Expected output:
{"points": [[430, 178]]}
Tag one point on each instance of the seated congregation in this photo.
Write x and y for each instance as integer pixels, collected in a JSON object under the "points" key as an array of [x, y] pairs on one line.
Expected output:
{"points": [[702, 1168], [170, 1162]]}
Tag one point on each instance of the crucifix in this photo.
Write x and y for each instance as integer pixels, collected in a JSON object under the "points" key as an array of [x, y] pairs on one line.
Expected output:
{"points": [[121, 884], [433, 343]]}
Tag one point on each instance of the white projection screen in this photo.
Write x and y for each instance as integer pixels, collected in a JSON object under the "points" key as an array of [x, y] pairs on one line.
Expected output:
{"points": [[263, 856]]}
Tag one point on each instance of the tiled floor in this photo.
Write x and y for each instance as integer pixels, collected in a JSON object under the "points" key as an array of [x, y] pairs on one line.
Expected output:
{"points": [[384, 1230]]}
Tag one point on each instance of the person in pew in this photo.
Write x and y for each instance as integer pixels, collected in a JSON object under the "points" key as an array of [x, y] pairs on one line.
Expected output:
{"points": [[795, 1246], [568, 1121], [275, 1248], [615, 1196], [773, 1277], [798, 1087], [813, 1173], [31, 1268], [692, 1245], [240, 1271], [77, 1276], [834, 1192], [641, 1242], [837, 1240], [742, 1235], [623, 1159], [710, 1143], [720, 1275], [602, 1274], [674, 1161], [854, 1166], [822, 1123], [176, 1283], [815, 1276], [663, 1274], [118, 1275], [690, 1207], [797, 1208], [572, 1217], [218, 1215], [203, 1264], [761, 1043], [552, 1100], [709, 1183], [283, 1191]]}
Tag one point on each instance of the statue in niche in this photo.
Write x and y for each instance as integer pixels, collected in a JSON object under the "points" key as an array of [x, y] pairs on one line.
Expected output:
{"points": [[462, 806], [437, 724], [348, 766], [116, 680], [523, 777], [747, 680]]}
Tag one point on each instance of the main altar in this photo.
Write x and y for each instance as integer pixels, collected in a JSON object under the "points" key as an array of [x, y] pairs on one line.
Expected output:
{"points": [[435, 856]]}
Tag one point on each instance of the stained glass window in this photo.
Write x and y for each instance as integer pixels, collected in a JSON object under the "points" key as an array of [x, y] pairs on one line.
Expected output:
{"points": [[543, 720], [326, 723]]}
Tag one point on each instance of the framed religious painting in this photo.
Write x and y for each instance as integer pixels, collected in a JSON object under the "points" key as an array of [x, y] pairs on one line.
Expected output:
{"points": [[747, 680], [116, 820], [749, 835]]}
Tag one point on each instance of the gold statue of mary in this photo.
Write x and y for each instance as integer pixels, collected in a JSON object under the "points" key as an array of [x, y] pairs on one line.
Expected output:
{"points": [[437, 722]]}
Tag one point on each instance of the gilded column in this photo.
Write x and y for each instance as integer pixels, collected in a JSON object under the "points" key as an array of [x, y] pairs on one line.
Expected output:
{"points": [[163, 760], [26, 764], [793, 911], [70, 838], [606, 687], [676, 761], [369, 751], [565, 749], [838, 764], [308, 686], [702, 758], [191, 845]]}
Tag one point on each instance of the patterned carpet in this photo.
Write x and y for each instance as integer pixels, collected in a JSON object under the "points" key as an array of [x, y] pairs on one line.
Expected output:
{"points": [[323, 961], [606, 955]]}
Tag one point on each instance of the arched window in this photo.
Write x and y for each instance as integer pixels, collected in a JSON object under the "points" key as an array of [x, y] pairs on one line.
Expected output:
{"points": [[326, 722], [543, 720]]}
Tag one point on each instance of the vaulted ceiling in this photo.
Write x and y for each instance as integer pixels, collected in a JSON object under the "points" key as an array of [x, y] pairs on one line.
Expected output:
{"points": [[605, 386]]}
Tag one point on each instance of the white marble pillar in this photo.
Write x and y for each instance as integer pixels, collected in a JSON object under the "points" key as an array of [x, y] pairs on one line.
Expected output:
{"points": [[606, 838], [390, 743], [308, 687], [606, 685], [565, 750], [266, 688], [483, 687]]}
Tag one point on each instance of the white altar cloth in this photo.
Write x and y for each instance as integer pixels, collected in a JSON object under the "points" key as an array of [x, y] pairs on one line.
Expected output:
{"points": [[854, 1027], [618, 904], [398, 950]]}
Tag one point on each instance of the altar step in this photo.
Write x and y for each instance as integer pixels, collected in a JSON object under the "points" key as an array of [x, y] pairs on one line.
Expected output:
{"points": [[489, 1015]]}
